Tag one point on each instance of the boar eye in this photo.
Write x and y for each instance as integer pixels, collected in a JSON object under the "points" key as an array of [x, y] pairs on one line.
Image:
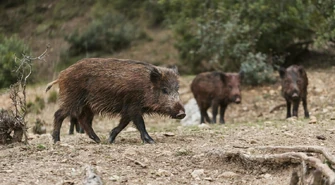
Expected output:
{"points": [[165, 90]]}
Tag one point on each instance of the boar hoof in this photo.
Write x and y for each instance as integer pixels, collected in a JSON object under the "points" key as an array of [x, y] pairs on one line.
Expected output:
{"points": [[148, 139]]}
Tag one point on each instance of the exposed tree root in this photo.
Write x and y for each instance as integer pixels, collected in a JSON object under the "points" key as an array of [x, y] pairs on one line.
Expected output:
{"points": [[312, 171]]}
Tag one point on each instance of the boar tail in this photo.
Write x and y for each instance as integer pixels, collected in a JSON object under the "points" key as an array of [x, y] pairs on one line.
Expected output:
{"points": [[50, 85]]}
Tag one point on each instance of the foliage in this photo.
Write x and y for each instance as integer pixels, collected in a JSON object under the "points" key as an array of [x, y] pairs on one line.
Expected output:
{"points": [[37, 106], [223, 33], [53, 96], [256, 70], [9, 48]]}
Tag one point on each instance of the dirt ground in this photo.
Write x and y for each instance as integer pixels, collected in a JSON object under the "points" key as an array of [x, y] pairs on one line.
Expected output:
{"points": [[182, 154]]}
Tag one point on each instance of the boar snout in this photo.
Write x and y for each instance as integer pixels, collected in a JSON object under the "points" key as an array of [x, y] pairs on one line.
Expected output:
{"points": [[180, 112], [295, 96], [237, 99]]}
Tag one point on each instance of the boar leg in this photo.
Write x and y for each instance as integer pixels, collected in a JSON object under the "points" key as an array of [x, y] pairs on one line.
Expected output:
{"points": [[60, 115], [223, 108], [123, 123], [215, 107], [85, 120], [139, 123], [295, 108], [304, 103], [288, 105], [73, 122]]}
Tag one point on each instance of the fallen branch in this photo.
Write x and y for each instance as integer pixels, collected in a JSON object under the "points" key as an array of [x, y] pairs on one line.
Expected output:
{"points": [[137, 162], [313, 149], [277, 107]]}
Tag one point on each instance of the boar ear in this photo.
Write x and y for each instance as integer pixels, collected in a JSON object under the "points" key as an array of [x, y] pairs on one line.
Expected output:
{"points": [[241, 74], [301, 70], [155, 75], [175, 69], [223, 77], [282, 72]]}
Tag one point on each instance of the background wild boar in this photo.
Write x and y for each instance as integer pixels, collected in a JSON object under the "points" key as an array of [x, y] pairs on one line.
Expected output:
{"points": [[294, 83], [115, 86], [216, 89]]}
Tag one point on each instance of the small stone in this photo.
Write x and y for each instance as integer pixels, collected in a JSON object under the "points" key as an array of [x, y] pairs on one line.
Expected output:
{"points": [[197, 173], [208, 179], [272, 92], [321, 137], [168, 134], [162, 173], [253, 142], [204, 126], [267, 176], [131, 129], [114, 178], [312, 120], [245, 108], [228, 174]]}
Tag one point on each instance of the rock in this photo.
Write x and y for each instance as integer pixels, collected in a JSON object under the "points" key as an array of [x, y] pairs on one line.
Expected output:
{"points": [[114, 178], [204, 126], [196, 174], [208, 179], [253, 142], [245, 108], [267, 176], [131, 129], [228, 174], [163, 173], [321, 137], [312, 120], [272, 92], [192, 113], [91, 178], [168, 134]]}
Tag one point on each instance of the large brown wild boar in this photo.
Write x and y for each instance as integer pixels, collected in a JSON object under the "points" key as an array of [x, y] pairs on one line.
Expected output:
{"points": [[294, 83], [116, 87], [216, 89]]}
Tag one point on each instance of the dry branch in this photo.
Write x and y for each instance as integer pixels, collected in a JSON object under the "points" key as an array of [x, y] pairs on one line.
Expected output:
{"points": [[313, 149], [277, 107], [137, 162]]}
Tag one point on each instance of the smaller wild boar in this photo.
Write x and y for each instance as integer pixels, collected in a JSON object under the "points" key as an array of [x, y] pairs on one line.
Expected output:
{"points": [[109, 86], [294, 83], [75, 124], [216, 89]]}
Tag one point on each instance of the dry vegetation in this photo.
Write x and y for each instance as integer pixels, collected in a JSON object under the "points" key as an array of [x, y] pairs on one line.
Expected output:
{"points": [[182, 155]]}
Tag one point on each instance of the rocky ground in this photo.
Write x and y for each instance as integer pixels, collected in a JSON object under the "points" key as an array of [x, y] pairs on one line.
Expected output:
{"points": [[182, 154]]}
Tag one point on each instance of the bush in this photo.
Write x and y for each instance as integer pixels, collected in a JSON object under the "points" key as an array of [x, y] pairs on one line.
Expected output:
{"points": [[9, 48], [37, 106], [52, 98], [256, 70]]}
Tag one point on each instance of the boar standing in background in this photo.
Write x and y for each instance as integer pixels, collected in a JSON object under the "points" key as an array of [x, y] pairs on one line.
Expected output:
{"points": [[74, 124], [294, 83], [116, 87], [216, 89]]}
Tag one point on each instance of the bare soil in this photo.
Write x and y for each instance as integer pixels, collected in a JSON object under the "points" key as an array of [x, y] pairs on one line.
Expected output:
{"points": [[182, 154]]}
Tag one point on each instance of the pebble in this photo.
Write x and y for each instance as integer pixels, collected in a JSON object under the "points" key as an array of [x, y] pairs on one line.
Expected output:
{"points": [[197, 173], [228, 174]]}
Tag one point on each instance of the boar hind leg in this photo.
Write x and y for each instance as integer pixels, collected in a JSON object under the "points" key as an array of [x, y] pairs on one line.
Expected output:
{"points": [[139, 123], [123, 123], [223, 108], [85, 120], [60, 115], [304, 104], [215, 107], [288, 105]]}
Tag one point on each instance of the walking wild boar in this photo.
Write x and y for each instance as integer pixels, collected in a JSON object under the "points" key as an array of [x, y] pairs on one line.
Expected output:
{"points": [[116, 87], [216, 89], [294, 83]]}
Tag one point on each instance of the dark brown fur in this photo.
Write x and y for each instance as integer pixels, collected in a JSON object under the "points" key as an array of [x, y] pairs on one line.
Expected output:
{"points": [[116, 87], [216, 89], [294, 88]]}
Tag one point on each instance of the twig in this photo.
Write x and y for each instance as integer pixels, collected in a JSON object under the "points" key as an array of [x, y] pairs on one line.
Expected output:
{"points": [[137, 162], [277, 107]]}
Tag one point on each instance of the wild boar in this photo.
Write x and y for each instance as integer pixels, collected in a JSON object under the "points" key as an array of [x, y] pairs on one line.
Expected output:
{"points": [[294, 84], [216, 89], [116, 87]]}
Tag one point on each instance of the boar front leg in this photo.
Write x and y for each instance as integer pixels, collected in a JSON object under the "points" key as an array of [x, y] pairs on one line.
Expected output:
{"points": [[295, 108], [304, 103], [288, 106], [123, 123], [223, 108], [139, 123]]}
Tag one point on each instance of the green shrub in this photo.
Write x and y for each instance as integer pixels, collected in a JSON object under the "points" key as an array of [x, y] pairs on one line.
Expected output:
{"points": [[52, 98], [256, 70], [37, 106], [9, 48]]}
